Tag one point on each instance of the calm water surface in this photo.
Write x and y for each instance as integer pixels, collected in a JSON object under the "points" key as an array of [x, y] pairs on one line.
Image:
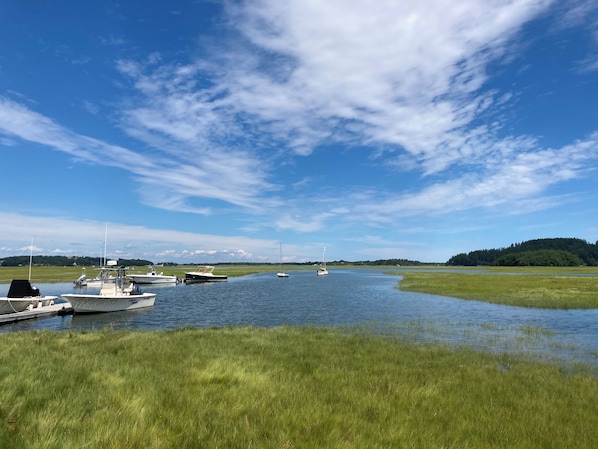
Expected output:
{"points": [[364, 298]]}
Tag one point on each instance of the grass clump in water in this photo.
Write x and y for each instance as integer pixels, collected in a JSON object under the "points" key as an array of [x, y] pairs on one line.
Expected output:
{"points": [[281, 388]]}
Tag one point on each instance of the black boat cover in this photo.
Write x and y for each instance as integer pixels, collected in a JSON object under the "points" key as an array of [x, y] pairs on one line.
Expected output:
{"points": [[21, 288]]}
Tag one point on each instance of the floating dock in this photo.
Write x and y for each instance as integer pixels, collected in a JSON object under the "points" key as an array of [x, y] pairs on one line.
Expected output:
{"points": [[63, 308]]}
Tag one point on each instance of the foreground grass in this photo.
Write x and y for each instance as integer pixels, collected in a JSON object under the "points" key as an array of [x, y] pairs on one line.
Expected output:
{"points": [[526, 290], [281, 388]]}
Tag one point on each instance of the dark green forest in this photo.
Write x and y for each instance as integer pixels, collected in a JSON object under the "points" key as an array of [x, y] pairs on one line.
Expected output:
{"points": [[561, 252], [63, 261]]}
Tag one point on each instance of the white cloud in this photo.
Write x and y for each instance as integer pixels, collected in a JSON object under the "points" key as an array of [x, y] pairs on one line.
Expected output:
{"points": [[403, 78], [87, 238], [516, 182]]}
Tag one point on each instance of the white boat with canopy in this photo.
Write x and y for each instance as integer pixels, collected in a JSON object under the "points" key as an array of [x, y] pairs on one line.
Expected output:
{"points": [[118, 295], [23, 296]]}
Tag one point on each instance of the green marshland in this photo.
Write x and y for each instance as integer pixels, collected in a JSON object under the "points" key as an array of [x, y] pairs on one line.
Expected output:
{"points": [[288, 387]]}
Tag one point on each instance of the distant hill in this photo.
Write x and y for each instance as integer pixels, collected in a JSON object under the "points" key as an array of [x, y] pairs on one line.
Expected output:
{"points": [[539, 252]]}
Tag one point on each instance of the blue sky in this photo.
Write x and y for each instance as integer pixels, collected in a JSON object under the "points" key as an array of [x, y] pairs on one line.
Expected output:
{"points": [[210, 131]]}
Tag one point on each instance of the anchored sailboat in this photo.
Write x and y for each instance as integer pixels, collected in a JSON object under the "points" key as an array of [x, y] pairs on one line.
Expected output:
{"points": [[281, 274], [322, 271]]}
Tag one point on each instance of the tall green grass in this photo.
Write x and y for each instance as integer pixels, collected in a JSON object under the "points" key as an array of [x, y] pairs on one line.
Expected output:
{"points": [[526, 290], [281, 388]]}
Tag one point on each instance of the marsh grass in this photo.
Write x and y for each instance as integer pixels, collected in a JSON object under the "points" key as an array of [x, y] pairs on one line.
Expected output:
{"points": [[281, 388], [529, 290]]}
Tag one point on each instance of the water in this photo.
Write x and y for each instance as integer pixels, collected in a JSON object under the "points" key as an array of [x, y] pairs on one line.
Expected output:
{"points": [[364, 298]]}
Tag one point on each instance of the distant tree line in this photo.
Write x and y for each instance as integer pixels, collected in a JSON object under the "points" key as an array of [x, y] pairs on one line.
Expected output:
{"points": [[63, 261], [393, 262], [560, 252]]}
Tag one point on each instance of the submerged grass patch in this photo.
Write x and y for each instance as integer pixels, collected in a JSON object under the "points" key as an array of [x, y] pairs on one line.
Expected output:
{"points": [[281, 388], [529, 290]]}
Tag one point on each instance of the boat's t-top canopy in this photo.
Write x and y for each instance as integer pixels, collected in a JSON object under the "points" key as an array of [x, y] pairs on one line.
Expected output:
{"points": [[205, 269]]}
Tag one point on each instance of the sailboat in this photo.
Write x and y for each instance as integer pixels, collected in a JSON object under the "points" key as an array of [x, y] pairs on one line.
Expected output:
{"points": [[281, 274], [322, 271]]}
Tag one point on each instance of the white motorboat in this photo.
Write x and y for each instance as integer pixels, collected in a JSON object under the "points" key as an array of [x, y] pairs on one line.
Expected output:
{"points": [[322, 271], [153, 277], [23, 296], [81, 281], [281, 274], [105, 275], [117, 295], [204, 273]]}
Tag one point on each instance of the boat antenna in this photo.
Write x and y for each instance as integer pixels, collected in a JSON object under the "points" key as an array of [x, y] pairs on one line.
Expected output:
{"points": [[105, 240], [30, 258]]}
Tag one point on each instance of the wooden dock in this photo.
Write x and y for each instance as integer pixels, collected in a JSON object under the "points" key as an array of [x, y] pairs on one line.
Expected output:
{"points": [[64, 308]]}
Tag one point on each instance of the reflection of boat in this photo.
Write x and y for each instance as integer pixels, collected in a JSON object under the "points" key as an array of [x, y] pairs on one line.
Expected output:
{"points": [[281, 274], [23, 296], [322, 270], [204, 273], [115, 295], [152, 277]]}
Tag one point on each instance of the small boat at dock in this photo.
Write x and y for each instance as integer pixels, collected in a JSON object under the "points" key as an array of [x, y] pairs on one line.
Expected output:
{"points": [[117, 295], [23, 296]]}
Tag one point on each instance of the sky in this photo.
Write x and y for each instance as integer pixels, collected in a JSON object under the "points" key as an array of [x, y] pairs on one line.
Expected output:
{"points": [[218, 131]]}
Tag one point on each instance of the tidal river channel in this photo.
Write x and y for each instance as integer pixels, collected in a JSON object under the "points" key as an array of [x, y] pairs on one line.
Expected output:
{"points": [[366, 299]]}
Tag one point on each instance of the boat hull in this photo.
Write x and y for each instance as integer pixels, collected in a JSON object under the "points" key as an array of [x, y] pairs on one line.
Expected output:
{"points": [[152, 279], [107, 303], [12, 305], [191, 278]]}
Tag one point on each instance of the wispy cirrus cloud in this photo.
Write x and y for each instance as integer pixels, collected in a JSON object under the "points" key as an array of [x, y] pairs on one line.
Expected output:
{"points": [[405, 77], [403, 80], [218, 175]]}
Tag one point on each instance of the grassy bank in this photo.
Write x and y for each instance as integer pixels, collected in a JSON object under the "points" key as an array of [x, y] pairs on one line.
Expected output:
{"points": [[519, 288], [281, 388]]}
